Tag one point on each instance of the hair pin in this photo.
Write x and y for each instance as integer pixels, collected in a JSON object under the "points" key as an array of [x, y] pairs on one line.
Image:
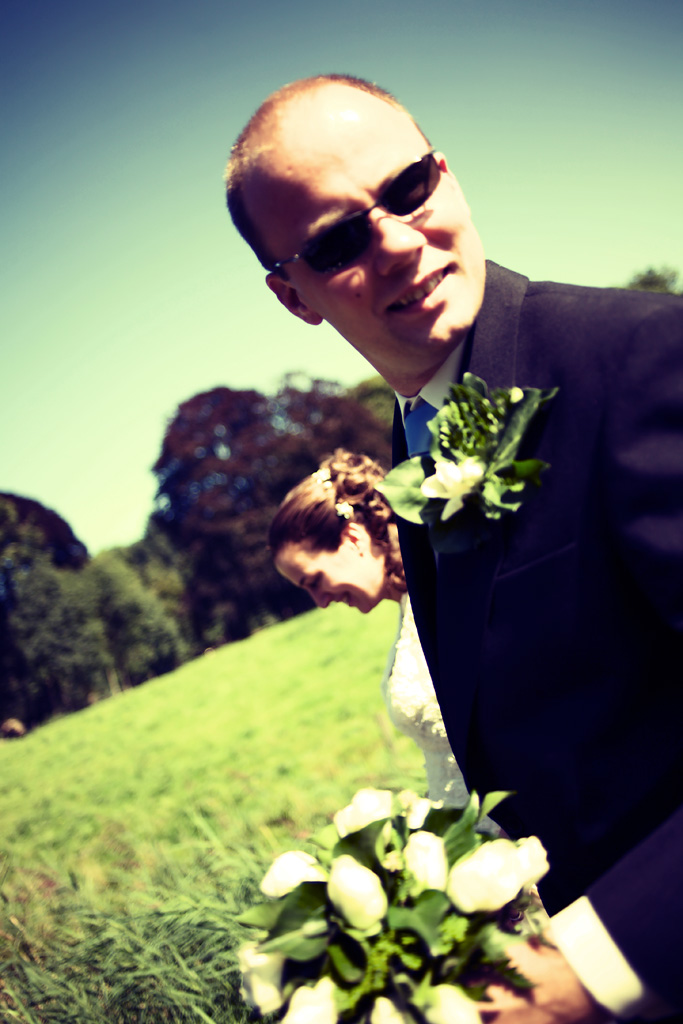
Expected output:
{"points": [[323, 476], [344, 509]]}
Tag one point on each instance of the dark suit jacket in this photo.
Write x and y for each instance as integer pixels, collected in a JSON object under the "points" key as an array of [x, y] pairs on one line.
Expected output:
{"points": [[557, 647]]}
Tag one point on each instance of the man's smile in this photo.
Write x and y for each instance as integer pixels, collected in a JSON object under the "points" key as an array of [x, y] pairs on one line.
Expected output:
{"points": [[420, 291]]}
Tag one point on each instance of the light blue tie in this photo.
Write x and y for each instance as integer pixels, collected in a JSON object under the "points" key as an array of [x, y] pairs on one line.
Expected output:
{"points": [[418, 436]]}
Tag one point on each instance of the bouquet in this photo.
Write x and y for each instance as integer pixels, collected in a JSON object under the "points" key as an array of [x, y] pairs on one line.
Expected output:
{"points": [[402, 916]]}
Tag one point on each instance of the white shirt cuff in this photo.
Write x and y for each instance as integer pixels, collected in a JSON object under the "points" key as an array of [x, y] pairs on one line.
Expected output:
{"points": [[599, 965]]}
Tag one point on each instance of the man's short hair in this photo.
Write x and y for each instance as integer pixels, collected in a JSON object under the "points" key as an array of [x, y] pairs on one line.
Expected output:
{"points": [[249, 145]]}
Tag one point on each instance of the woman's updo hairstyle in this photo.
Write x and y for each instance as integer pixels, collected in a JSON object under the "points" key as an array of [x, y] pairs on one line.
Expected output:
{"points": [[342, 490]]}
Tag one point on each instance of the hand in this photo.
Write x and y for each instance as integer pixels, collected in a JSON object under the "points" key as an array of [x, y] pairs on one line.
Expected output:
{"points": [[558, 997]]}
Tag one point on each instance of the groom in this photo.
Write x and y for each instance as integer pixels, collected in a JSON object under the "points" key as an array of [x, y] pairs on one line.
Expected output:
{"points": [[556, 647]]}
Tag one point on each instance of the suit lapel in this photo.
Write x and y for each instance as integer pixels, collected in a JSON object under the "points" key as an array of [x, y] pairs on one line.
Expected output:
{"points": [[452, 603], [493, 353], [465, 582]]}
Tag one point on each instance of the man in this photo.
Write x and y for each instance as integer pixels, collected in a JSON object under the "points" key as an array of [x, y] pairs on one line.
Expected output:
{"points": [[555, 646]]}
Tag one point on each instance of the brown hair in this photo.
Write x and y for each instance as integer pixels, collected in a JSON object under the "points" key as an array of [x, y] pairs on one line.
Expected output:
{"points": [[342, 490], [249, 145]]}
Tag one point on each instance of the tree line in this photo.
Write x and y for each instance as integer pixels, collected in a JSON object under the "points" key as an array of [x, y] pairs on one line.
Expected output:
{"points": [[74, 629]]}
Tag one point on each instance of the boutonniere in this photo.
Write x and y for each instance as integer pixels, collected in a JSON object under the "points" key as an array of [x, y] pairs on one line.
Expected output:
{"points": [[471, 473]]}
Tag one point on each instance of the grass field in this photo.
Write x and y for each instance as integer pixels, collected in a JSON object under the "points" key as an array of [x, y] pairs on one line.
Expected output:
{"points": [[131, 832]]}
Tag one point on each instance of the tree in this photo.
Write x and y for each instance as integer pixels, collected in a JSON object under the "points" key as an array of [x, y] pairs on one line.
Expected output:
{"points": [[26, 526], [142, 639], [228, 458], [61, 647], [652, 280], [40, 673], [164, 570], [377, 396]]}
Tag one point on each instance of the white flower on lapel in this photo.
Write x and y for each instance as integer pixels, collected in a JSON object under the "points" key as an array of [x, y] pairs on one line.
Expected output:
{"points": [[453, 481]]}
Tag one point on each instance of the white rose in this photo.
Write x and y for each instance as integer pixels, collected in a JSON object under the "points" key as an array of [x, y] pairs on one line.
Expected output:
{"points": [[289, 870], [312, 1005], [533, 860], [356, 892], [486, 880], [449, 1005], [385, 1011], [367, 805], [262, 975], [453, 481], [425, 856]]}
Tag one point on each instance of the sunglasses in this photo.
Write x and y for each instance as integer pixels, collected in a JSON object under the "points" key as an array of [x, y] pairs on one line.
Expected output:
{"points": [[338, 246]]}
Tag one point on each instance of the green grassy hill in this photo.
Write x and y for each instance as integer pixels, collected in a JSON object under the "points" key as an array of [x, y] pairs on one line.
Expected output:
{"points": [[160, 807]]}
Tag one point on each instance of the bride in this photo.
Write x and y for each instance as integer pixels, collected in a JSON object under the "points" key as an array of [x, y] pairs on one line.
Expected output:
{"points": [[334, 535]]}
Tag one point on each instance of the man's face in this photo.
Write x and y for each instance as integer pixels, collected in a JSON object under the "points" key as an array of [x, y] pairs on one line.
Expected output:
{"points": [[412, 295]]}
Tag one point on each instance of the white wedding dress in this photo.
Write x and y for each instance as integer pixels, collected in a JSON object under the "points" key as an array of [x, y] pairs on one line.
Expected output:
{"points": [[413, 708]]}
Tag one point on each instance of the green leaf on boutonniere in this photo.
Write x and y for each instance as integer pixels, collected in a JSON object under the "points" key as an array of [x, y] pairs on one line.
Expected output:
{"points": [[471, 473], [401, 488]]}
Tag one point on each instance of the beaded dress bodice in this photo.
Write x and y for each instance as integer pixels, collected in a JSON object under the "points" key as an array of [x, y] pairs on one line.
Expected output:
{"points": [[413, 708]]}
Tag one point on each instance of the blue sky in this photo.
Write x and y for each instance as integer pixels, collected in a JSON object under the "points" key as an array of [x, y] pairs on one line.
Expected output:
{"points": [[124, 289]]}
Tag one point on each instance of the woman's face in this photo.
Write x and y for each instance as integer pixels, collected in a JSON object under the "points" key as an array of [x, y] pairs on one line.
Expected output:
{"points": [[353, 574]]}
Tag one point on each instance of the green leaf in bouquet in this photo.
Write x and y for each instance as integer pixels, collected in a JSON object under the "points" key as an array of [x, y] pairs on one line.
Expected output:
{"points": [[424, 919], [462, 838], [348, 958], [492, 799], [381, 955], [453, 930], [325, 838], [401, 488], [367, 845], [261, 915], [439, 819], [301, 930], [493, 942], [493, 951], [298, 944]]}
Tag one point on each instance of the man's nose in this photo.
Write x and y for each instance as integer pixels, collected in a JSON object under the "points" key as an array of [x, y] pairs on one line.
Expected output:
{"points": [[395, 241]]}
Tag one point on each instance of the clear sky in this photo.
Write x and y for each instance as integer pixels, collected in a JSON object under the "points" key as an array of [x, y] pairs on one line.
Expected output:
{"points": [[124, 289]]}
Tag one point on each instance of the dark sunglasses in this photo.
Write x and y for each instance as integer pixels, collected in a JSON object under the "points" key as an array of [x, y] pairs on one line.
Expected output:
{"points": [[345, 241]]}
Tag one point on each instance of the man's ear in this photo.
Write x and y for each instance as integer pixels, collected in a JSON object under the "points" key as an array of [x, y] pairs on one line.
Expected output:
{"points": [[441, 160], [291, 300]]}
